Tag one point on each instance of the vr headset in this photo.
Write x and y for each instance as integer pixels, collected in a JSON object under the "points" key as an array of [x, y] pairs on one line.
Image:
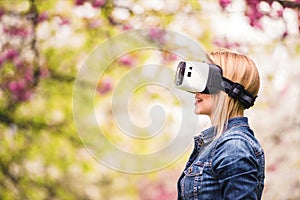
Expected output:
{"points": [[207, 78]]}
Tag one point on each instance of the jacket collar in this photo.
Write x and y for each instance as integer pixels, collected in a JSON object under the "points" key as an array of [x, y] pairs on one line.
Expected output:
{"points": [[208, 135], [205, 137], [236, 122]]}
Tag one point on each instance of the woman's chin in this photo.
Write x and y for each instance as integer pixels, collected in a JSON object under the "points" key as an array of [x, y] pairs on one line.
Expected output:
{"points": [[201, 111], [197, 111]]}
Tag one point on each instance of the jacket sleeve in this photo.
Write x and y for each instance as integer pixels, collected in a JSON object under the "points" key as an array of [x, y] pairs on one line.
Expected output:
{"points": [[235, 167]]}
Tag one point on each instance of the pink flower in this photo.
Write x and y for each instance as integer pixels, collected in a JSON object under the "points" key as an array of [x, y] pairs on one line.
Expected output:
{"points": [[11, 54], [284, 35], [26, 95], [21, 84], [105, 86], [252, 2], [16, 31], [126, 27], [28, 76], [13, 86], [157, 35], [98, 3], [280, 13], [224, 3], [18, 63], [127, 60], [224, 43], [42, 17], [254, 15], [64, 21], [19, 91], [79, 2]]}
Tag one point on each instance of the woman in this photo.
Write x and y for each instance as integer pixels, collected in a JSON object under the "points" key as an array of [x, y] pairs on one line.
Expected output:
{"points": [[227, 161]]}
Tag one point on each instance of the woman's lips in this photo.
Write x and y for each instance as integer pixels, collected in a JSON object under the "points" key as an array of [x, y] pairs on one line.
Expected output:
{"points": [[198, 100]]}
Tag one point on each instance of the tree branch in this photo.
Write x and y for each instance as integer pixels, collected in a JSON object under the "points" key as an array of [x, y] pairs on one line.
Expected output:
{"points": [[289, 4]]}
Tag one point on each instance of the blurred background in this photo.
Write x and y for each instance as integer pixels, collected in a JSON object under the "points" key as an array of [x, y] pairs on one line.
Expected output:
{"points": [[43, 45]]}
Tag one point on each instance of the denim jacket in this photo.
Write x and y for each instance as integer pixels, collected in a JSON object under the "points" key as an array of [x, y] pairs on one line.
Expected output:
{"points": [[228, 167]]}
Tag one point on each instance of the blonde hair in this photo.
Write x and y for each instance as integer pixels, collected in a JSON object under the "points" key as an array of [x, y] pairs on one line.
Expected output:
{"points": [[237, 68]]}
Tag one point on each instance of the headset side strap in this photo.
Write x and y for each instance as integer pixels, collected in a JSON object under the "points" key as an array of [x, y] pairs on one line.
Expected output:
{"points": [[238, 92]]}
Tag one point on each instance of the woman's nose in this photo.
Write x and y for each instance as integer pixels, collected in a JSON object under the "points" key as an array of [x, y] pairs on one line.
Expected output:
{"points": [[197, 94]]}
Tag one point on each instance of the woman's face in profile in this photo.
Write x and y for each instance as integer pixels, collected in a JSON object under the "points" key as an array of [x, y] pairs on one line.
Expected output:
{"points": [[203, 104]]}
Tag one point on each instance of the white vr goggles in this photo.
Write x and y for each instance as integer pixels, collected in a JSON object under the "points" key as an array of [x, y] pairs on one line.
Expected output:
{"points": [[207, 78]]}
